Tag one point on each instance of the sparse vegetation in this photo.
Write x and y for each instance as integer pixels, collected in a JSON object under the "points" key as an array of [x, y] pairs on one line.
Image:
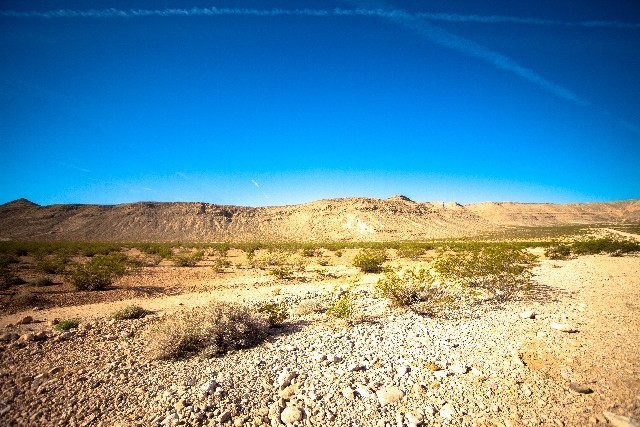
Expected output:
{"points": [[98, 273], [41, 281], [52, 264], [24, 299], [220, 265], [65, 325], [370, 260], [343, 307], [282, 272], [275, 313], [497, 269], [558, 252], [605, 245], [129, 312], [213, 330], [187, 258], [405, 288]]}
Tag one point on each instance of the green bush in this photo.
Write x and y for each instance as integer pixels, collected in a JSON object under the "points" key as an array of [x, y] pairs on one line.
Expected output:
{"points": [[275, 313], [605, 245], [52, 264], [188, 259], [407, 287], [558, 251], [213, 330], [65, 325], [219, 264], [129, 312], [343, 307], [98, 273], [498, 269], [283, 272], [370, 260], [41, 281]]}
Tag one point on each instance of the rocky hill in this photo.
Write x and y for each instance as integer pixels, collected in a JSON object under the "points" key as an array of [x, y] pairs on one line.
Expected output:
{"points": [[349, 219]]}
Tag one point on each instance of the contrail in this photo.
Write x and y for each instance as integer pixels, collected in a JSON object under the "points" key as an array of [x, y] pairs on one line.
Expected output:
{"points": [[383, 13]]}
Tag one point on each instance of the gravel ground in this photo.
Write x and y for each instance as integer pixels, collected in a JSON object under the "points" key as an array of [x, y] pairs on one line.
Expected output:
{"points": [[486, 367]]}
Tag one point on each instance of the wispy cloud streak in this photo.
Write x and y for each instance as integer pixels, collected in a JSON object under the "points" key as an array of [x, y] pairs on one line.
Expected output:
{"points": [[383, 13]]}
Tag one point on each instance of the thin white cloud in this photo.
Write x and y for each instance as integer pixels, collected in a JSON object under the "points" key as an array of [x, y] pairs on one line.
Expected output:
{"points": [[255, 183], [384, 13], [182, 175], [67, 165]]}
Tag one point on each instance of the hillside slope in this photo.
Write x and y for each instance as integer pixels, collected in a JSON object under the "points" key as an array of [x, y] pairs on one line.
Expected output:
{"points": [[349, 219]]}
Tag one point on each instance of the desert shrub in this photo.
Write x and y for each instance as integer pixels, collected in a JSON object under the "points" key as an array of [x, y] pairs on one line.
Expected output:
{"points": [[41, 281], [558, 251], [309, 306], [213, 330], [129, 312], [606, 245], [52, 264], [408, 287], [65, 325], [275, 313], [98, 273], [370, 260], [162, 250], [219, 264], [412, 251], [188, 259], [283, 272], [498, 269], [24, 299], [343, 307]]}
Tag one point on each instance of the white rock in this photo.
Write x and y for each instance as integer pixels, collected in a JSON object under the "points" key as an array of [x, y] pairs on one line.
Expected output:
{"points": [[529, 314], [414, 417], [447, 411], [348, 393], [563, 327], [403, 370], [285, 377], [459, 369], [332, 358], [209, 387], [620, 420], [389, 394], [363, 391], [440, 374], [291, 414]]}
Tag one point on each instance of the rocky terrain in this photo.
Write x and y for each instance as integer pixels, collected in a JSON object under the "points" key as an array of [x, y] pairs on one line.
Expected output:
{"points": [[564, 355], [351, 219]]}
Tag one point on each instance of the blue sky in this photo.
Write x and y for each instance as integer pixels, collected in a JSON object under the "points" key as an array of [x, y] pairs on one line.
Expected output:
{"points": [[281, 102]]}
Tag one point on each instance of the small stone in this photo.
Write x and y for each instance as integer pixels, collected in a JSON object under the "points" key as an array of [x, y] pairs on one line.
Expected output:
{"points": [[27, 337], [348, 393], [459, 369], [389, 394], [209, 387], [41, 336], [580, 388], [414, 417], [319, 357], [332, 358], [529, 314], [620, 420], [403, 370], [429, 410], [285, 377], [563, 327], [355, 367], [440, 374], [363, 392], [25, 320], [291, 414], [288, 392], [55, 370], [447, 411], [224, 417]]}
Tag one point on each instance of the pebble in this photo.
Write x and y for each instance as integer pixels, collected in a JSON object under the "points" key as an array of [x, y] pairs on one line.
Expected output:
{"points": [[529, 314], [290, 414], [580, 388], [447, 411], [563, 327], [414, 417], [389, 394], [25, 320]]}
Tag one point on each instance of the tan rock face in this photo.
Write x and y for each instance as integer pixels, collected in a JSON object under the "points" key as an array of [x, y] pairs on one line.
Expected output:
{"points": [[350, 219]]}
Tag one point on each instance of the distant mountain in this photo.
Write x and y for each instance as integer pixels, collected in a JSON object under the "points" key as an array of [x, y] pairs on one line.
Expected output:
{"points": [[348, 219]]}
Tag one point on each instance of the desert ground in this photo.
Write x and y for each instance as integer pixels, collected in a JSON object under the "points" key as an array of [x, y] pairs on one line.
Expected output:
{"points": [[562, 351]]}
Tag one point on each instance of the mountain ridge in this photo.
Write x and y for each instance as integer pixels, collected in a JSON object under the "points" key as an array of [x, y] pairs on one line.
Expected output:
{"points": [[335, 219]]}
